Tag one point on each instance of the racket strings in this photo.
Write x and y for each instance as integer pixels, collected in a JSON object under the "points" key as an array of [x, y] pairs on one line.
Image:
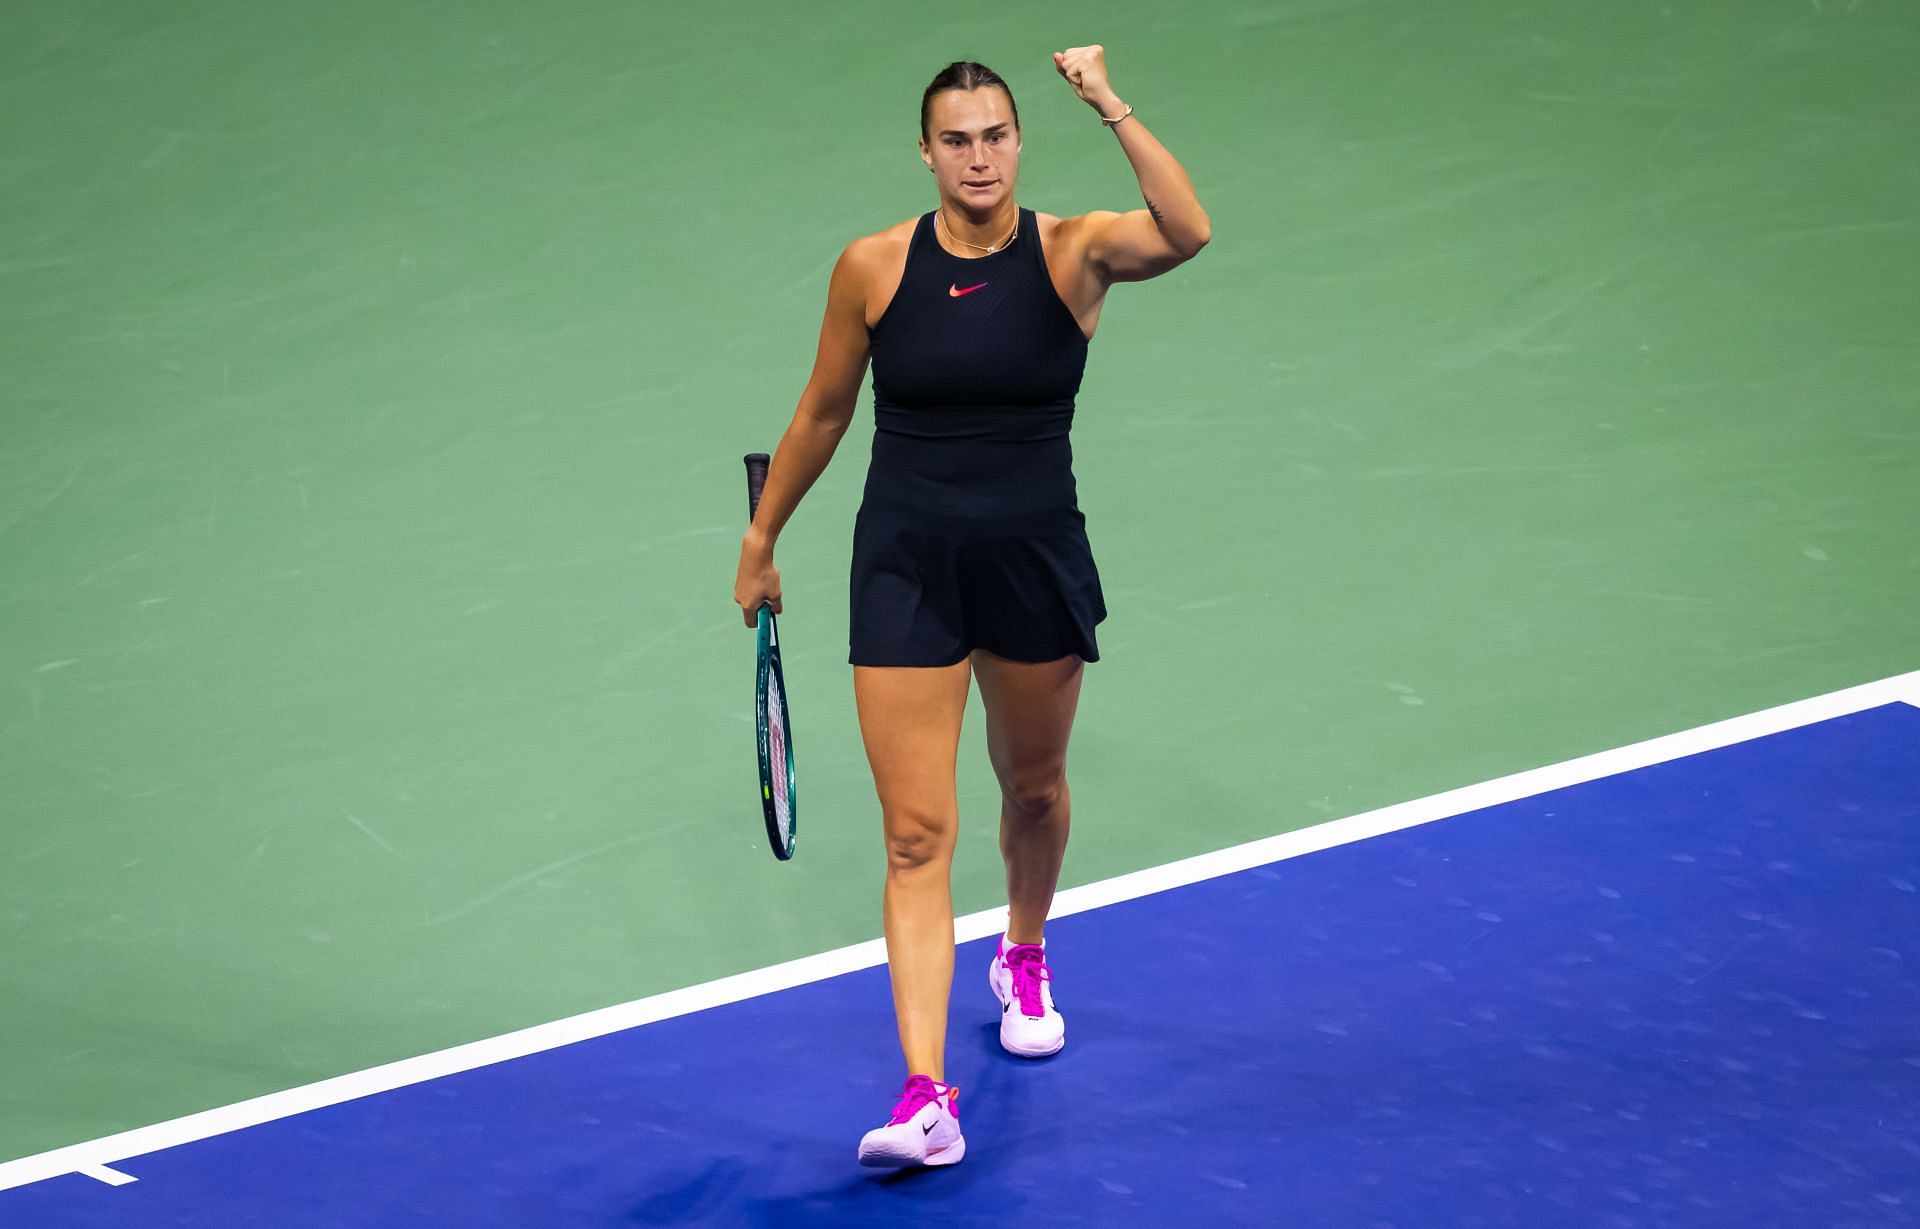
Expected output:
{"points": [[777, 749]]}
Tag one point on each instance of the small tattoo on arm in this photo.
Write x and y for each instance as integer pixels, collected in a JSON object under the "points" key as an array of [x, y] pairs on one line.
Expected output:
{"points": [[1154, 210]]}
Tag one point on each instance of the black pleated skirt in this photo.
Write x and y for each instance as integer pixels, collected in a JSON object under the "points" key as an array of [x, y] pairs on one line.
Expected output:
{"points": [[927, 590]]}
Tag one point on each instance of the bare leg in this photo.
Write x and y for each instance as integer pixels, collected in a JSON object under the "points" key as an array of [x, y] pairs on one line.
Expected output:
{"points": [[910, 723], [1030, 708]]}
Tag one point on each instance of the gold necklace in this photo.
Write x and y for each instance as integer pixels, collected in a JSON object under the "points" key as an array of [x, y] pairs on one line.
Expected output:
{"points": [[998, 247]]}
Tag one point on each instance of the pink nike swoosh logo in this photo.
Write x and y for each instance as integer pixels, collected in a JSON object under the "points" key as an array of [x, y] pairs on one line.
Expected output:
{"points": [[953, 289]]}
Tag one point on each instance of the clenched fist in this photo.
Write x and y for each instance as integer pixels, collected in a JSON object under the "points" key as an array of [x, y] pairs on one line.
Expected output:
{"points": [[1085, 69]]}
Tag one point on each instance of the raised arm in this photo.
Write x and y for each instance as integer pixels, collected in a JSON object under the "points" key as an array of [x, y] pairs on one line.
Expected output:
{"points": [[1144, 243], [826, 407]]}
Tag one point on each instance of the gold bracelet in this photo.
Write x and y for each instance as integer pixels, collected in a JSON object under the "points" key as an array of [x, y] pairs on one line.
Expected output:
{"points": [[1116, 119]]}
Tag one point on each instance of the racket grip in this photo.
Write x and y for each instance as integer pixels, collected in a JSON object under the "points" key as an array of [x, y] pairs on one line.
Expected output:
{"points": [[756, 481]]}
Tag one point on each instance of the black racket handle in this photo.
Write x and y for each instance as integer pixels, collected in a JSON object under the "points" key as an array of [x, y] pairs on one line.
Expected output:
{"points": [[756, 481]]}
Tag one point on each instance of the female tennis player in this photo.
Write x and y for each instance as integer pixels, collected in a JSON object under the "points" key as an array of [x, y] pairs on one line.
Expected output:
{"points": [[970, 554]]}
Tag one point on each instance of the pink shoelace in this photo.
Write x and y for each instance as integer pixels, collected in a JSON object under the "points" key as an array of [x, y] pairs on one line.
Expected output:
{"points": [[1028, 964], [919, 1091]]}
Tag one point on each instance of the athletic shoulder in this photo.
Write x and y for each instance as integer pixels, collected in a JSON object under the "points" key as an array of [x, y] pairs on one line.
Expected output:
{"points": [[1074, 227], [871, 253], [869, 270]]}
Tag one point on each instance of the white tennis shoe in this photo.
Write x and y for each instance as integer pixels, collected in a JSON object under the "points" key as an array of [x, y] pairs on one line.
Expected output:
{"points": [[1021, 980], [924, 1129]]}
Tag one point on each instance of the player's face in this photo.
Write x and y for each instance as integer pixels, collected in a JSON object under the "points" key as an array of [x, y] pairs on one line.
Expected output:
{"points": [[972, 146]]}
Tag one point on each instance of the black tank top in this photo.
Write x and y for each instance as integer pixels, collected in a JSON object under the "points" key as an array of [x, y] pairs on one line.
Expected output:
{"points": [[976, 364]]}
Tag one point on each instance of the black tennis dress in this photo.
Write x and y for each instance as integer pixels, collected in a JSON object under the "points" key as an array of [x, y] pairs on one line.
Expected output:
{"points": [[969, 534]]}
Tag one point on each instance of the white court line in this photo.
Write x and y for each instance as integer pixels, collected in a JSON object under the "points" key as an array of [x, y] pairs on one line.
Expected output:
{"points": [[94, 1157]]}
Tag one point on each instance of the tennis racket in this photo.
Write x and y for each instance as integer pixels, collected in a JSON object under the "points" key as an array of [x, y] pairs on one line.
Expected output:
{"points": [[774, 730]]}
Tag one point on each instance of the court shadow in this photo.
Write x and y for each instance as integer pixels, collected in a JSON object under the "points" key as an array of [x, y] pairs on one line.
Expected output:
{"points": [[915, 1195], [904, 1196], [699, 1196]]}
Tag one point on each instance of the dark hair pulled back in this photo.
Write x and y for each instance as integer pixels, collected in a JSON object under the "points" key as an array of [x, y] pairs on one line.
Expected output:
{"points": [[963, 75]]}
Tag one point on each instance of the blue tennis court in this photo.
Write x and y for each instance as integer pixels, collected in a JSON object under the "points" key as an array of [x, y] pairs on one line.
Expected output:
{"points": [[1680, 994]]}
